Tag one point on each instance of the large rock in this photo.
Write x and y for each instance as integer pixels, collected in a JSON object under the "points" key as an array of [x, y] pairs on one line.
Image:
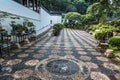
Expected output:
{"points": [[109, 53]]}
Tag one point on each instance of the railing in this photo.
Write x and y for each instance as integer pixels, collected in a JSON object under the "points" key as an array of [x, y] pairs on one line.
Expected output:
{"points": [[17, 37]]}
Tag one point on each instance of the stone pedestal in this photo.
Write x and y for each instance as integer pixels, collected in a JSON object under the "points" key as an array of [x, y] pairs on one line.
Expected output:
{"points": [[26, 41], [109, 53], [17, 46]]}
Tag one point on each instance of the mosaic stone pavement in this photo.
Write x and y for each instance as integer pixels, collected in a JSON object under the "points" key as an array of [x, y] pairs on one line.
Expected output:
{"points": [[77, 47]]}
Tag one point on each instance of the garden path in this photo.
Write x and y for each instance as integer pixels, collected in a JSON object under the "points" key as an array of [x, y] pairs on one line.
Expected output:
{"points": [[70, 56]]}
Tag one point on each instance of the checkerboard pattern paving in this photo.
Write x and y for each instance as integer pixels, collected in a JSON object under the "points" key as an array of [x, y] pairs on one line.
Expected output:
{"points": [[74, 45]]}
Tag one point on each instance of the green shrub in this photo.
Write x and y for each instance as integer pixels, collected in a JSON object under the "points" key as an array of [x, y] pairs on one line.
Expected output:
{"points": [[57, 28], [102, 31], [101, 36], [115, 23], [118, 34], [66, 24], [73, 20], [93, 27], [115, 41]]}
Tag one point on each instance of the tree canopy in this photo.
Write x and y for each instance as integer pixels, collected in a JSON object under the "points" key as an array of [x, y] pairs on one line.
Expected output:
{"points": [[65, 5]]}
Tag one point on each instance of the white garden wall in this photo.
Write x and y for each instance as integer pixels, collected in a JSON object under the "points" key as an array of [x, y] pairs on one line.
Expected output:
{"points": [[41, 20], [17, 9]]}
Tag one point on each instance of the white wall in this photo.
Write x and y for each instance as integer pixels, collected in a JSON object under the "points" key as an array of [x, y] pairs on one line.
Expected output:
{"points": [[41, 21], [17, 9], [46, 18], [56, 18]]}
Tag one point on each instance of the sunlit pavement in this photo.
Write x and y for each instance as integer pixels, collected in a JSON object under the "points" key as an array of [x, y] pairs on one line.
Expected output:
{"points": [[70, 56]]}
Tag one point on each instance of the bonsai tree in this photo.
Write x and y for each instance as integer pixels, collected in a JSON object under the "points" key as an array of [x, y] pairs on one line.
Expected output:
{"points": [[17, 28], [28, 25]]}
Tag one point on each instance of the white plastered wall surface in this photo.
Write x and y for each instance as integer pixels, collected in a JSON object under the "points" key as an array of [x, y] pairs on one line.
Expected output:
{"points": [[41, 20]]}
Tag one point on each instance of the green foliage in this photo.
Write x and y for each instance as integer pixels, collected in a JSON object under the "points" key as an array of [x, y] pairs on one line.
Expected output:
{"points": [[101, 35], [102, 26], [112, 7], [73, 20], [27, 26], [57, 28], [80, 5], [71, 8], [115, 41], [6, 34], [99, 11], [73, 16], [93, 27], [116, 3], [65, 5], [19, 27], [88, 19], [95, 8], [117, 53], [103, 31], [30, 24], [3, 15], [91, 1], [115, 23]]}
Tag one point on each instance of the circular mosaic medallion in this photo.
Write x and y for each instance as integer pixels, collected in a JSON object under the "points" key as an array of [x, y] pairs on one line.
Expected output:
{"points": [[62, 68]]}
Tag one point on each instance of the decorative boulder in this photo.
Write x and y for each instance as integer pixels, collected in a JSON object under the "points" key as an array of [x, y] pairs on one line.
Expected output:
{"points": [[109, 53]]}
